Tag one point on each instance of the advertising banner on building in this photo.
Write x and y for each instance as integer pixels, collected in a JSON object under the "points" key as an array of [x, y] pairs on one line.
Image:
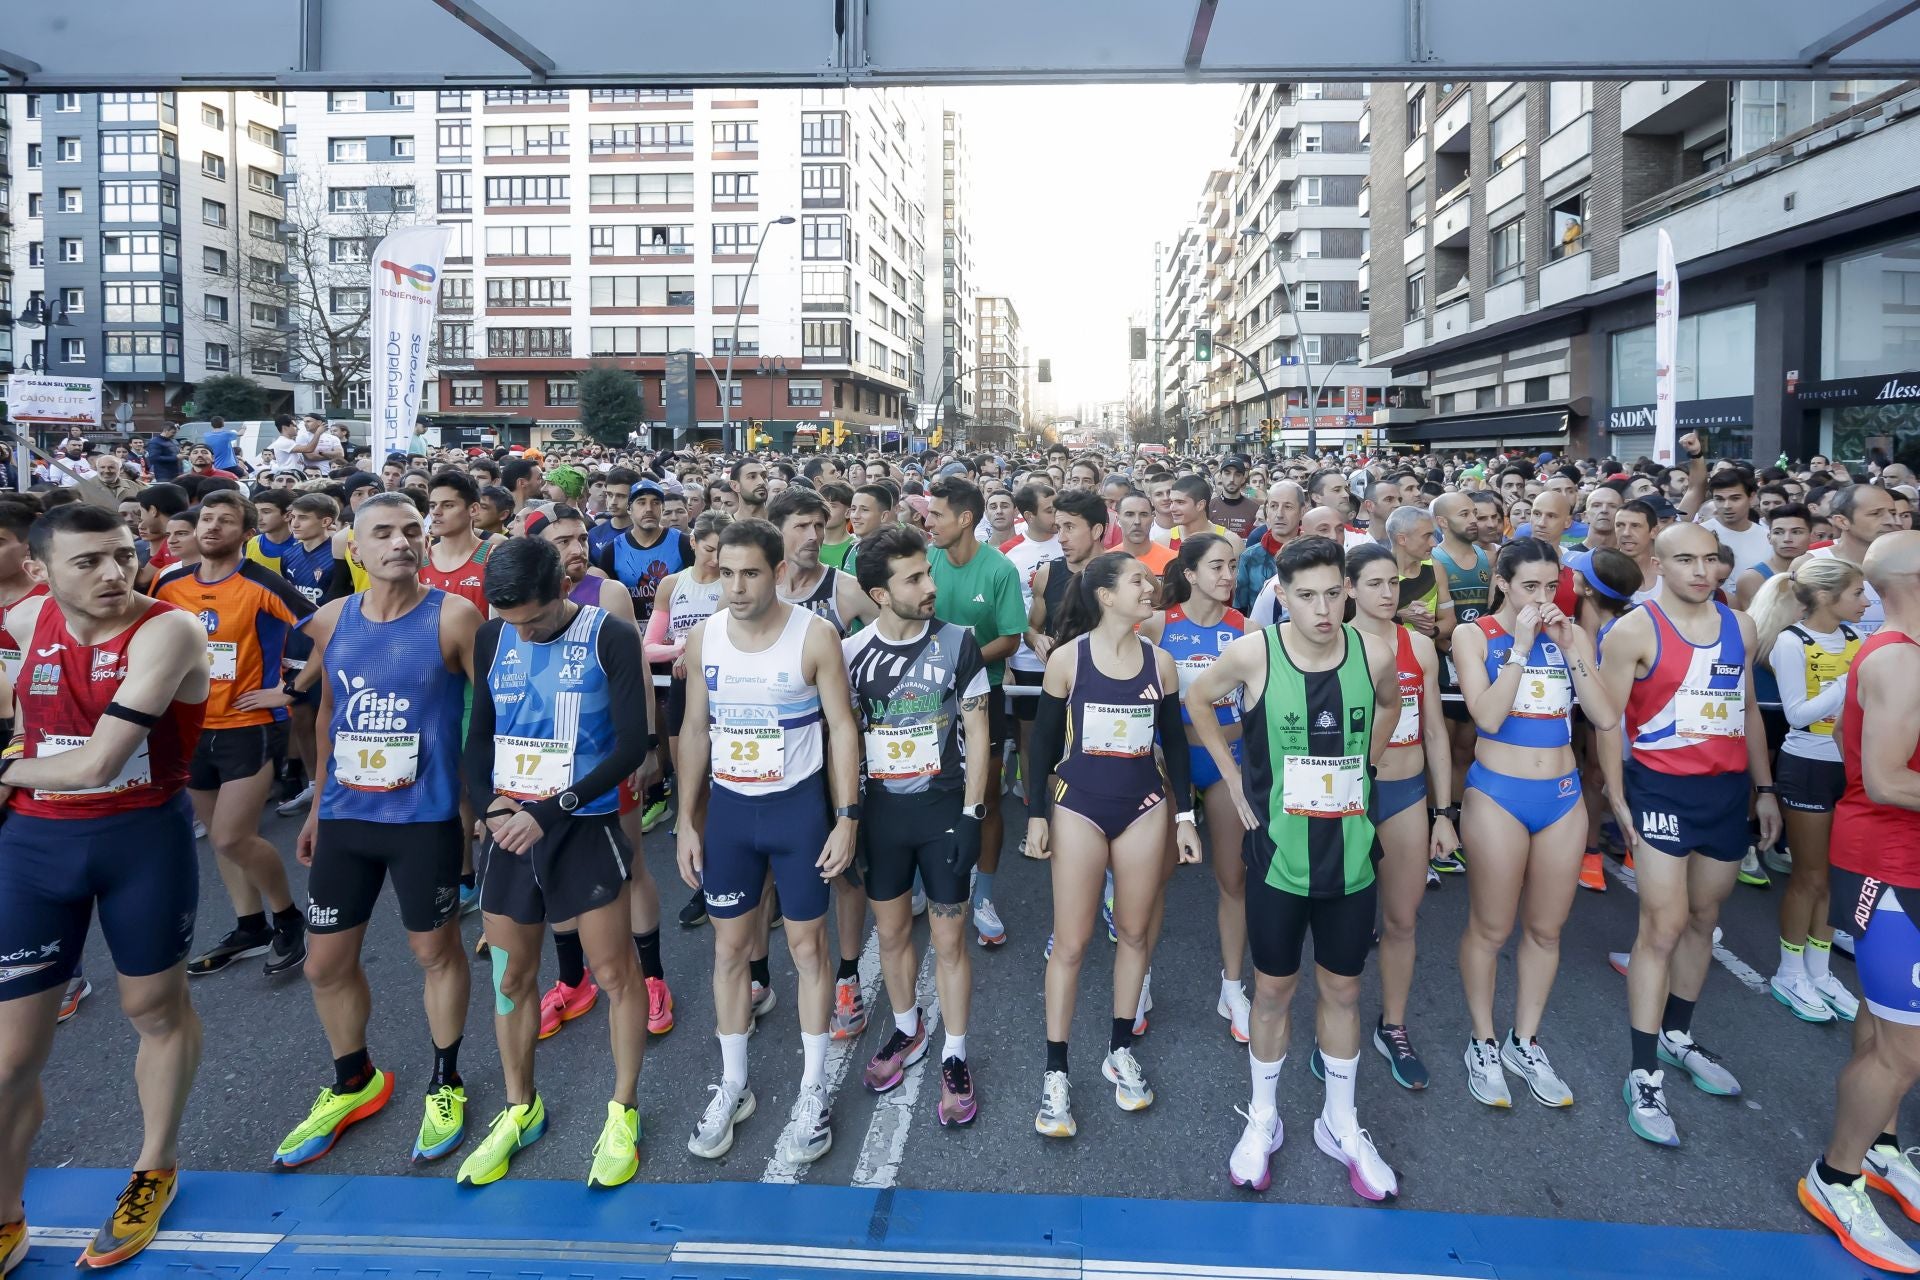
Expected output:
{"points": [[59, 401], [405, 291], [1666, 349]]}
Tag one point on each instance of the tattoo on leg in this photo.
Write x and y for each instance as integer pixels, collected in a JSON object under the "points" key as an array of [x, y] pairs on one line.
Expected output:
{"points": [[947, 909]]}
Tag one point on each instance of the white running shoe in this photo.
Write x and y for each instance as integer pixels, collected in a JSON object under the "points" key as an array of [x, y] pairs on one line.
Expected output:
{"points": [[1845, 1005], [1055, 1117], [1647, 1115], [1778, 860], [1529, 1062], [1710, 1075], [200, 833], [1251, 1164], [1794, 989], [814, 1136], [1368, 1174], [1236, 1009], [727, 1108], [1131, 1092], [1892, 1173], [1849, 1213], [1843, 942], [987, 921], [287, 808], [1485, 1080], [1145, 1006]]}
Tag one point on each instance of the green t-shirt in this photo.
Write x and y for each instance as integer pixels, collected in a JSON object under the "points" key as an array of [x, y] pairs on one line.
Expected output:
{"points": [[835, 553], [983, 594]]}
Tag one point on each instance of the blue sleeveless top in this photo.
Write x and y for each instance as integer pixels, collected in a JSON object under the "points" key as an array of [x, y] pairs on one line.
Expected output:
{"points": [[1194, 648], [557, 691], [1533, 721], [393, 698]]}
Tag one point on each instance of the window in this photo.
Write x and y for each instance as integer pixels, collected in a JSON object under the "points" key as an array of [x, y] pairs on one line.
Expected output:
{"points": [[400, 148], [562, 393], [803, 392], [265, 313], [1310, 348], [402, 198], [268, 138], [214, 307], [452, 100], [651, 340], [641, 189], [73, 350], [33, 155], [1310, 296], [74, 300], [213, 117], [346, 249], [735, 237], [346, 302], [528, 242], [1536, 389], [139, 202], [727, 392], [1714, 358], [33, 204], [1417, 203], [512, 192], [69, 152], [1312, 139], [1508, 140], [822, 185], [467, 392], [346, 102], [33, 106], [520, 344], [1568, 222], [1416, 295], [455, 192], [456, 293], [455, 144], [403, 98], [1870, 301], [823, 238], [70, 200], [736, 135], [511, 393], [823, 133], [213, 261], [1416, 115], [1507, 252], [347, 150], [216, 355], [527, 291], [213, 213], [825, 290], [526, 140], [1567, 101], [823, 340], [1309, 242], [142, 352], [723, 341], [642, 291], [262, 226], [735, 188], [346, 199], [66, 102], [213, 166], [1486, 397], [72, 249], [263, 270], [1312, 190], [526, 97], [726, 292], [654, 240], [456, 340]]}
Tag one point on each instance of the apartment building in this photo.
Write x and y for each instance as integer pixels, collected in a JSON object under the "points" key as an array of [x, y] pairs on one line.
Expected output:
{"points": [[141, 242], [619, 226], [952, 391], [1196, 288], [1514, 238], [999, 385]]}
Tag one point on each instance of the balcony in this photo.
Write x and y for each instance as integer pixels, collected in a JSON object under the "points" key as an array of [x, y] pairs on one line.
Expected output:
{"points": [[1670, 106], [1454, 219], [1565, 280], [1450, 131], [1571, 144], [1505, 187]]}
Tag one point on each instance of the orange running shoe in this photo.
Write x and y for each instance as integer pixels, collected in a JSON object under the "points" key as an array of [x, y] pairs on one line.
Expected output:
{"points": [[1592, 874], [1627, 861], [659, 1007], [563, 1003], [13, 1245], [135, 1220]]}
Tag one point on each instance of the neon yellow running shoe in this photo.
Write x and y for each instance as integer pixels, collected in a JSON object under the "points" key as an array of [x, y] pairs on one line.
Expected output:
{"points": [[332, 1113], [616, 1157], [444, 1125], [513, 1131]]}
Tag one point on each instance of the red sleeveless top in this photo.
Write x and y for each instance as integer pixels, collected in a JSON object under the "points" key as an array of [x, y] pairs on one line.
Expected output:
{"points": [[1881, 841]]}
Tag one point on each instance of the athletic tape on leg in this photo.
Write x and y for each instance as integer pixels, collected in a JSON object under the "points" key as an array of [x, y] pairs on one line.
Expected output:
{"points": [[502, 1002]]}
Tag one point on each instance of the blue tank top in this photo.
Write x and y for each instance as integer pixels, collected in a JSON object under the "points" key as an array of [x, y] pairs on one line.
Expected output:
{"points": [[554, 694], [1765, 686], [1110, 728], [1540, 715], [1194, 648], [642, 569], [396, 718]]}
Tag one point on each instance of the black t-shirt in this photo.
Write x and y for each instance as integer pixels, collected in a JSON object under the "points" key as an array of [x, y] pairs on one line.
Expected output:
{"points": [[908, 698]]}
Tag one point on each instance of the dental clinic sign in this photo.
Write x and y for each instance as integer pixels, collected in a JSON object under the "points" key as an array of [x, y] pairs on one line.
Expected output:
{"points": [[405, 291]]}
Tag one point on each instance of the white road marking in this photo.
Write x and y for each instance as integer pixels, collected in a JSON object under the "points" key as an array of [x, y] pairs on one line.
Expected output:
{"points": [[840, 1054], [886, 1143]]}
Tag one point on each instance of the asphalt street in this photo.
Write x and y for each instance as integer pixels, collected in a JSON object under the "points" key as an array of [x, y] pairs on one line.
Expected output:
{"points": [[266, 1059]]}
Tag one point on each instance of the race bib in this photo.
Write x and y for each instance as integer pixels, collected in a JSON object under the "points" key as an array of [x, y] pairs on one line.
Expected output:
{"points": [[895, 752], [1111, 729], [223, 660], [1406, 730], [379, 761], [1710, 713], [1546, 693], [530, 768], [748, 754], [11, 660], [1324, 786], [136, 772]]}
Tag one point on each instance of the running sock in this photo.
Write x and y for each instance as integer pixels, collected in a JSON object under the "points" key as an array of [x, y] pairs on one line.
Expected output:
{"points": [[955, 1047], [1679, 1017], [814, 1051], [1792, 958], [1832, 1176], [1056, 1055], [1819, 958], [572, 957], [757, 970], [908, 1023], [1338, 1110], [1891, 1141], [848, 969], [1646, 1050], [982, 886], [1229, 987], [255, 923], [352, 1072], [648, 945], [1266, 1081], [446, 1064], [733, 1059], [1122, 1037], [290, 922]]}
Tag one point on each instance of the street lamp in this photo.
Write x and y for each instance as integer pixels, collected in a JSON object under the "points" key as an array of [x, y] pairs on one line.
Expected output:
{"points": [[739, 304], [1313, 406]]}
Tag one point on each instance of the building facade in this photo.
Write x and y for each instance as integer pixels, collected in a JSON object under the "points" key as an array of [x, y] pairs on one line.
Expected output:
{"points": [[999, 384], [619, 226], [952, 301], [1514, 230], [142, 243]]}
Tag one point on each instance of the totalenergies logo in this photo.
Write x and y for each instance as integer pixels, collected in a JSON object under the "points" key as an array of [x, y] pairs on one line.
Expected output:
{"points": [[419, 275]]}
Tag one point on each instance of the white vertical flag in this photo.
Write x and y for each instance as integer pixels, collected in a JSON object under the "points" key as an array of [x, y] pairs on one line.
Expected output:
{"points": [[406, 288], [1666, 349]]}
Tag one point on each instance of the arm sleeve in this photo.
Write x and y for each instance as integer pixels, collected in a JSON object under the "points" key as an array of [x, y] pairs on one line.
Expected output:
{"points": [[1049, 739], [339, 581], [659, 648], [1789, 664], [628, 688], [477, 760], [1173, 745]]}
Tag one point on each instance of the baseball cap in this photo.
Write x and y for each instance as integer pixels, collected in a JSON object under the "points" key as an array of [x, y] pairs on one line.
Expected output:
{"points": [[646, 486], [953, 469], [1662, 508], [1236, 460]]}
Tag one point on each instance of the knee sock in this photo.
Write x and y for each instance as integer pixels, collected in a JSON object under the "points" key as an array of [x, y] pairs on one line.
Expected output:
{"points": [[1678, 1017], [648, 945], [733, 1059], [1792, 959], [572, 957], [1818, 958], [1338, 1109], [757, 969], [814, 1053], [446, 1064], [848, 969], [1056, 1055], [352, 1072], [1266, 1081], [1646, 1054]]}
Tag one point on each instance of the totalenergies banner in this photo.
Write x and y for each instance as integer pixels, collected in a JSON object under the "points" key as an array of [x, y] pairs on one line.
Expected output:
{"points": [[406, 289]]}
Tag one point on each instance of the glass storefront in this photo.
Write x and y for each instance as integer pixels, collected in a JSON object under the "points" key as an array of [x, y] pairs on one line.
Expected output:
{"points": [[1870, 329], [1714, 361]]}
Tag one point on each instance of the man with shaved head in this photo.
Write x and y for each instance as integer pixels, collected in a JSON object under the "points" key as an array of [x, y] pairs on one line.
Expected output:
{"points": [[1321, 522], [1875, 855], [1282, 514], [1861, 514], [1681, 667]]}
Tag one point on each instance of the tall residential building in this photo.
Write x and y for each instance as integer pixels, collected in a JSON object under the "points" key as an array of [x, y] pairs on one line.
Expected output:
{"points": [[6, 234], [619, 225], [1514, 240], [1196, 287], [951, 390], [147, 242], [998, 384]]}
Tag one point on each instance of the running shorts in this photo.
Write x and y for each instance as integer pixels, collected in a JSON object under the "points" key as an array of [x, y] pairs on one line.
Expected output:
{"points": [[577, 867], [1025, 707], [1886, 944], [1278, 923], [1695, 813], [784, 831], [1811, 786], [902, 834], [234, 755], [352, 858]]}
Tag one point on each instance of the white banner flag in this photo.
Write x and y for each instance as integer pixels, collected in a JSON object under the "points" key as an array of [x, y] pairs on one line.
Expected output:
{"points": [[406, 288], [1666, 349]]}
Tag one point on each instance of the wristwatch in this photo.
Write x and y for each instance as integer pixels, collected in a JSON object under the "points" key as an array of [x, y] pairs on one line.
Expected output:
{"points": [[1514, 658], [1766, 789], [978, 812], [850, 812], [568, 800], [1451, 813], [1185, 815]]}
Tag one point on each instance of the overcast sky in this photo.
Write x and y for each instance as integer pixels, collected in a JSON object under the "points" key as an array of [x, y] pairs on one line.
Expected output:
{"points": [[1072, 186]]}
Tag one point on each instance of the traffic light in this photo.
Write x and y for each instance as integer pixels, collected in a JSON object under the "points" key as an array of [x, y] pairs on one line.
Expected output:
{"points": [[1139, 347], [1046, 371], [933, 441], [1203, 345], [839, 432]]}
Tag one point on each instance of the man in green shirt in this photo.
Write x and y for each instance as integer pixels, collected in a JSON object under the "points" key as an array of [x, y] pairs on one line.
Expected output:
{"points": [[839, 498], [977, 587]]}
